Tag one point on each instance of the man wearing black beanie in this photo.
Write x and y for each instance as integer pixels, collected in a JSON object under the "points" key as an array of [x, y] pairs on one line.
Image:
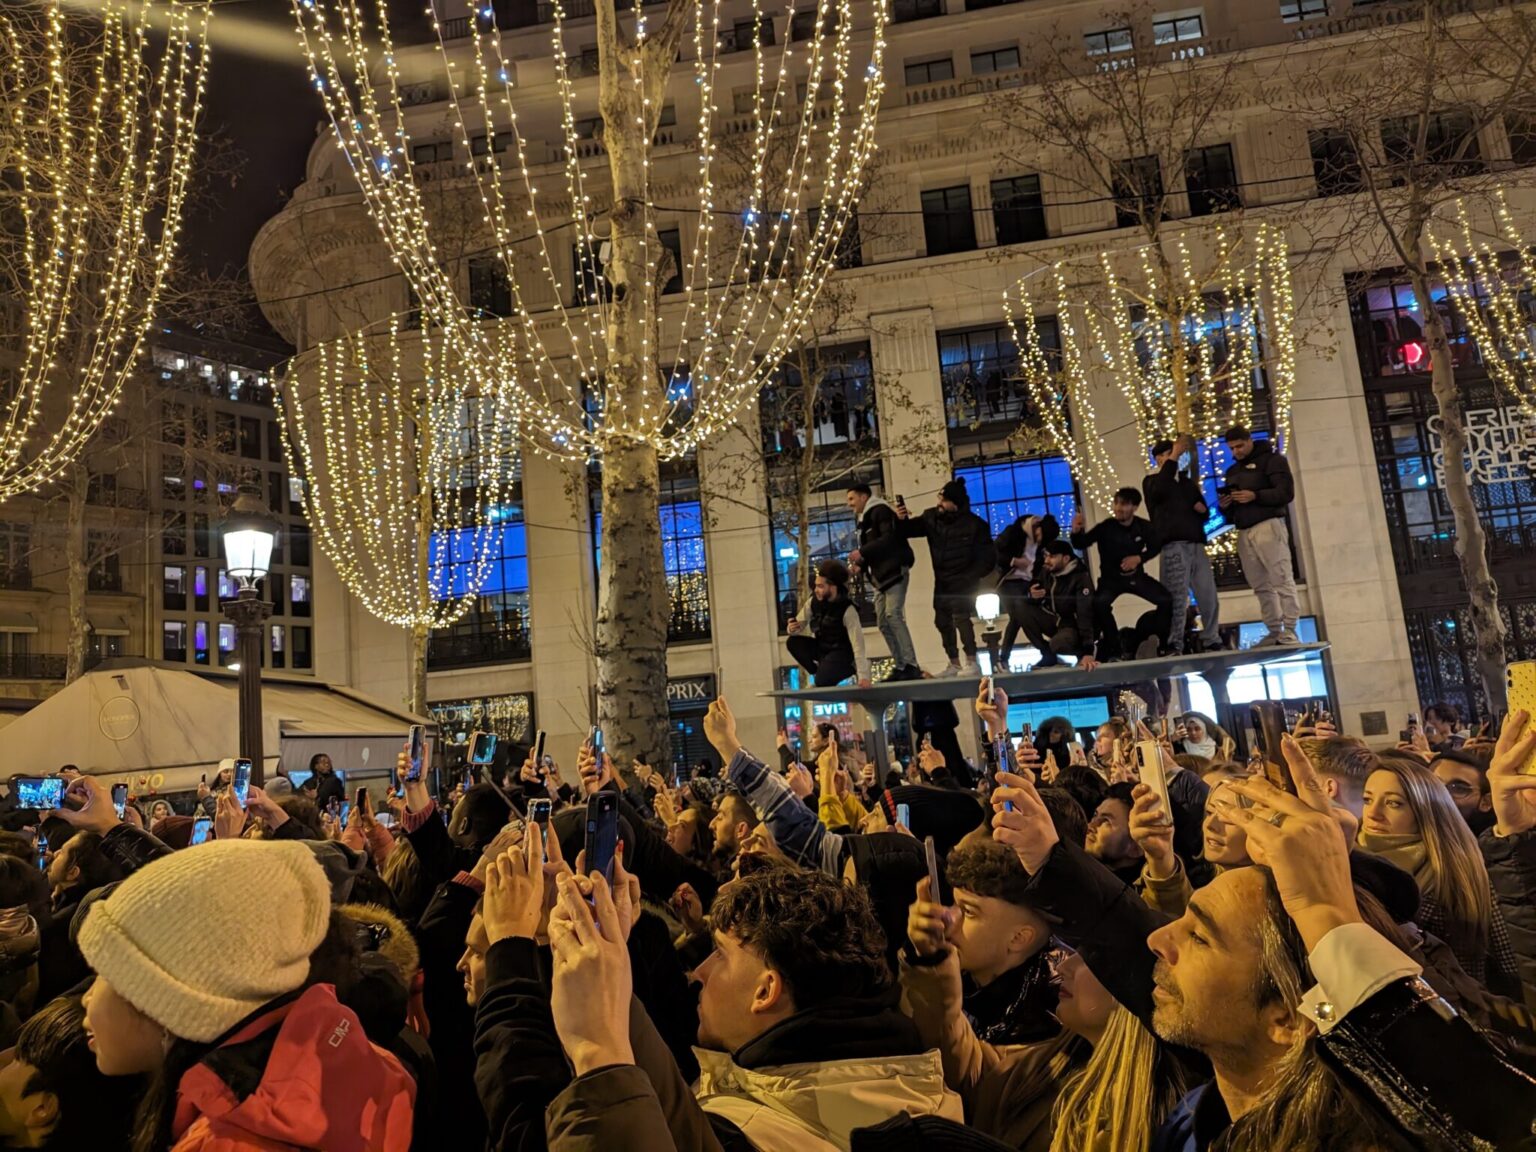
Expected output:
{"points": [[960, 546]]}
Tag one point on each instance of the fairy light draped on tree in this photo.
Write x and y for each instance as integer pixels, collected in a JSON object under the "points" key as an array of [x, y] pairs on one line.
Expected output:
{"points": [[408, 473], [390, 438], [100, 111], [1182, 352], [811, 130], [1493, 289]]}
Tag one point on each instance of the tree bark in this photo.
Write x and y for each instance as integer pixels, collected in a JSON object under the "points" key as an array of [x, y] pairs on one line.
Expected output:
{"points": [[631, 640], [1471, 543], [78, 573], [420, 635]]}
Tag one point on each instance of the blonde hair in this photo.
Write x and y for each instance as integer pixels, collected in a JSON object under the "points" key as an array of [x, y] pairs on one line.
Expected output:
{"points": [[1121, 1096], [1457, 878]]}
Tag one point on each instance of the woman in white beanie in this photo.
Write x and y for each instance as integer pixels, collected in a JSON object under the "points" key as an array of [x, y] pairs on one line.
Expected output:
{"points": [[202, 963]]}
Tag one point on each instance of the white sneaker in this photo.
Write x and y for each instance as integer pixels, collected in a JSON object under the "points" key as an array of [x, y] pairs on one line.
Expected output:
{"points": [[970, 667], [951, 670]]}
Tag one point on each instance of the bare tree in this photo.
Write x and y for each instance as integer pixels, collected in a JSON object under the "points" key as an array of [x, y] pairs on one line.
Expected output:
{"points": [[1401, 117]]}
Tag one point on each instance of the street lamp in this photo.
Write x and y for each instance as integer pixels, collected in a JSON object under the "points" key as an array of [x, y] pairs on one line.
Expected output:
{"points": [[249, 532], [989, 606]]}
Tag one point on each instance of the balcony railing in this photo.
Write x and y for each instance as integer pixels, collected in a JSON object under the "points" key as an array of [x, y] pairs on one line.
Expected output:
{"points": [[463, 650], [33, 666], [964, 86]]}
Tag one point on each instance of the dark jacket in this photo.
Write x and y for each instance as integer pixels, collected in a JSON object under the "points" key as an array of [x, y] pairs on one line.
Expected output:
{"points": [[1116, 541], [1069, 597], [1188, 793], [960, 545], [882, 545], [1171, 500], [1269, 474], [1011, 543], [325, 787], [1405, 1052], [1511, 863]]}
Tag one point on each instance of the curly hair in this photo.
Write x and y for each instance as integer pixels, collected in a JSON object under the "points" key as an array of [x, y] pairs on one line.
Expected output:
{"points": [[820, 935], [981, 865]]}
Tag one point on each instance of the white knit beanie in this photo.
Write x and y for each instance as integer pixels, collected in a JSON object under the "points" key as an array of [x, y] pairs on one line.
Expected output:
{"points": [[200, 939]]}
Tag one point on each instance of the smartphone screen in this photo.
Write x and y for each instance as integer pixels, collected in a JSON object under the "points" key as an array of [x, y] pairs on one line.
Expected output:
{"points": [[538, 748], [482, 747], [201, 827], [362, 800], [539, 810], [599, 746], [241, 784], [345, 813], [417, 753], [904, 816], [120, 799], [42, 852], [602, 833], [38, 793]]}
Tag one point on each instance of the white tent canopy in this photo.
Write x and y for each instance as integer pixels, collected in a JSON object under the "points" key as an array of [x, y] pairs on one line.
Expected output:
{"points": [[160, 728]]}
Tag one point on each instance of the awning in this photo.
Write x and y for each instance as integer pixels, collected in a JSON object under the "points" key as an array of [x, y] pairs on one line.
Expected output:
{"points": [[15, 620], [108, 625]]}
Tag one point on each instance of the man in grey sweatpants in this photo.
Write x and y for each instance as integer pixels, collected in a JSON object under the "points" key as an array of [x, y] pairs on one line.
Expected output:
{"points": [[1177, 509], [1259, 489]]}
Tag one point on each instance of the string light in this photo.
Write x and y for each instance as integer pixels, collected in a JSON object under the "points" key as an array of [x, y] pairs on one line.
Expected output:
{"points": [[99, 149], [1184, 346], [795, 168], [1490, 288], [408, 472]]}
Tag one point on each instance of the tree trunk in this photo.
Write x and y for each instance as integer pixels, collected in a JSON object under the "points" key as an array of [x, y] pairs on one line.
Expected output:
{"points": [[420, 634], [78, 573], [1471, 543], [631, 646], [632, 610]]}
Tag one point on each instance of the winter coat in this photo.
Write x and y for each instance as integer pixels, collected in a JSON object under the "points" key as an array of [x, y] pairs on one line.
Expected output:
{"points": [[1171, 499], [1115, 542], [1069, 597], [1008, 1089], [1511, 864], [299, 1074], [882, 545], [1269, 474], [836, 627], [960, 546], [326, 787]]}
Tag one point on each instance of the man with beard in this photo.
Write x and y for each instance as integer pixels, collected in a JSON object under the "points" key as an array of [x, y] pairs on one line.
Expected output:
{"points": [[960, 546]]}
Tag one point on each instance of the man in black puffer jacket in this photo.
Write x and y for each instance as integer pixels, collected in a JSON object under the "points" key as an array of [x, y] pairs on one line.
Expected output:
{"points": [[960, 546]]}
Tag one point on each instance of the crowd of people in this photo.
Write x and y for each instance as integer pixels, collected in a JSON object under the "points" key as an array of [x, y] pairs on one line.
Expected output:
{"points": [[1043, 581], [1050, 946]]}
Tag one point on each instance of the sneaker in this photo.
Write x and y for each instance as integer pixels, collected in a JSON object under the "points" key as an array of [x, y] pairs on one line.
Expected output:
{"points": [[1271, 640], [1049, 660], [950, 671], [1213, 646], [913, 672], [970, 667], [1288, 639], [1147, 649]]}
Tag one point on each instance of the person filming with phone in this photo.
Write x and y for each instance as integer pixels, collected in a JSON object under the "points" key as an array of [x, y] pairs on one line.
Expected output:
{"points": [[1258, 490]]}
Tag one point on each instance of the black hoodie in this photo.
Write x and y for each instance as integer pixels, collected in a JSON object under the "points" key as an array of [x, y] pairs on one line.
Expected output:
{"points": [[1171, 499]]}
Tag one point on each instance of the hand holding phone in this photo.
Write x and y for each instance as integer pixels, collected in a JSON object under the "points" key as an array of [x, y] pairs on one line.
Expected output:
{"points": [[602, 833], [38, 793], [931, 853], [1149, 767], [120, 800], [1268, 718], [240, 782], [416, 752]]}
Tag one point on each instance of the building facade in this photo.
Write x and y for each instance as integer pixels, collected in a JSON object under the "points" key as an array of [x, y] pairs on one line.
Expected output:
{"points": [[959, 211], [194, 423]]}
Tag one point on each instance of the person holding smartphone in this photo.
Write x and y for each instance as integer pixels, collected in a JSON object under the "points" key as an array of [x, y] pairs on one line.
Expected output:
{"points": [[324, 784], [1178, 511], [1261, 488]]}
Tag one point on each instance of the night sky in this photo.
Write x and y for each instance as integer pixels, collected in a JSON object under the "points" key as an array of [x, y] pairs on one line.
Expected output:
{"points": [[258, 96]]}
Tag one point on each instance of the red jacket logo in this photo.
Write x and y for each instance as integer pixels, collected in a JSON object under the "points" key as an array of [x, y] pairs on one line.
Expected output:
{"points": [[342, 1030]]}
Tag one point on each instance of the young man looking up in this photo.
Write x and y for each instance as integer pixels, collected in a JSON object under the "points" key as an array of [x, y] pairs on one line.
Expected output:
{"points": [[884, 553], [1125, 542]]}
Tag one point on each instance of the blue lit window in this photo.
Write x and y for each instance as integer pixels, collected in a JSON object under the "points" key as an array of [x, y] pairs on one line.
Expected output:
{"points": [[682, 551], [496, 628], [1008, 489]]}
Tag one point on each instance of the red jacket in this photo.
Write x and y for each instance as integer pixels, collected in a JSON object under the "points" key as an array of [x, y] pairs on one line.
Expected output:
{"points": [[301, 1076]]}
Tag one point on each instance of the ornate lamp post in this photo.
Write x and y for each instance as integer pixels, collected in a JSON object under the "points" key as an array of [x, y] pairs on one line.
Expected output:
{"points": [[249, 532]]}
